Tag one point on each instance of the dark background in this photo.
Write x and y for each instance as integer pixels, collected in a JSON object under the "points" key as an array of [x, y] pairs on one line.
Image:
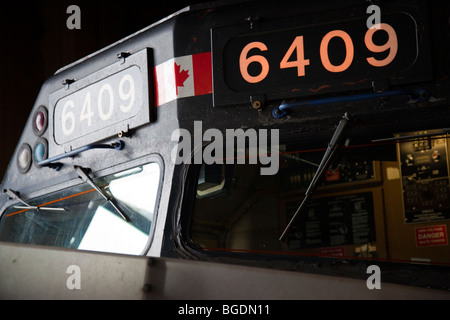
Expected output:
{"points": [[35, 43]]}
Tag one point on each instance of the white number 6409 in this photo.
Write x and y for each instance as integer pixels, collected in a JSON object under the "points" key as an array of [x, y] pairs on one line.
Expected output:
{"points": [[104, 96]]}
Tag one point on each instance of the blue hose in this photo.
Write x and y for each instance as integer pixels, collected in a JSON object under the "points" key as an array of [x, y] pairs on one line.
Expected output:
{"points": [[279, 112]]}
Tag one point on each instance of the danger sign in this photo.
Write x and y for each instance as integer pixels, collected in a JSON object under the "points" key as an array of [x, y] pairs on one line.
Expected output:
{"points": [[334, 251], [431, 236]]}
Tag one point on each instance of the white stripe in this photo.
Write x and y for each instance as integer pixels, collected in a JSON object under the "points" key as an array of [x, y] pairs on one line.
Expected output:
{"points": [[165, 78], [185, 63]]}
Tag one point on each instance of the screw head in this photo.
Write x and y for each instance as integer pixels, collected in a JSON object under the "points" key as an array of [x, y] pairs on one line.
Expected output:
{"points": [[256, 104]]}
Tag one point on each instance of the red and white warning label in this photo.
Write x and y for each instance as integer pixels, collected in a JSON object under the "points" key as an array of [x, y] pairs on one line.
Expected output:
{"points": [[334, 251], [431, 236]]}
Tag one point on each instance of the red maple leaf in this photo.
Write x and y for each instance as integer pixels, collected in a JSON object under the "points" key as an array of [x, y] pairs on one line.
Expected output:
{"points": [[180, 76]]}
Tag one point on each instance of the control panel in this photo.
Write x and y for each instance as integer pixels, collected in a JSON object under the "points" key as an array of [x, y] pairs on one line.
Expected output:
{"points": [[425, 181]]}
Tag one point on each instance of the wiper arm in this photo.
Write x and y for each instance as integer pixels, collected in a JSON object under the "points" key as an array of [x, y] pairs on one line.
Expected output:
{"points": [[15, 195], [83, 175], [333, 147]]}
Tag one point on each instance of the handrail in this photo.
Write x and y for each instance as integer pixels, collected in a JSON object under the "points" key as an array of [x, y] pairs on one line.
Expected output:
{"points": [[279, 112], [51, 162]]}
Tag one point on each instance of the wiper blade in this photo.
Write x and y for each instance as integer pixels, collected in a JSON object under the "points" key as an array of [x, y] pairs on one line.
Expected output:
{"points": [[15, 196], [40, 208], [83, 175], [334, 146]]}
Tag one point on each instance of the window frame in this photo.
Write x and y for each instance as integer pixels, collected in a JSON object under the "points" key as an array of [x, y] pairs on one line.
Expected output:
{"points": [[414, 274], [148, 159]]}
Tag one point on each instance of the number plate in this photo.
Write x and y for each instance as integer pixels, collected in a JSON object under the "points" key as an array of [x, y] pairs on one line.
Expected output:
{"points": [[101, 105], [298, 58]]}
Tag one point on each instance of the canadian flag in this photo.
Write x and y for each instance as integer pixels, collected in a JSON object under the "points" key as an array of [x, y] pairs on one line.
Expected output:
{"points": [[184, 76]]}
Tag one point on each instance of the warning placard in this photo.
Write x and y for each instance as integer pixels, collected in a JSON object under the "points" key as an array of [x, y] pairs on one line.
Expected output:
{"points": [[431, 236], [334, 251]]}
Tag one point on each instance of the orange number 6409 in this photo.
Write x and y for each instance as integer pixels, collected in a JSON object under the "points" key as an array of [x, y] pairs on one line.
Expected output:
{"points": [[300, 62]]}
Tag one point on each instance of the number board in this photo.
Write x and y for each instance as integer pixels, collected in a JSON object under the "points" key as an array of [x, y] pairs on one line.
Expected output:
{"points": [[101, 105], [297, 57]]}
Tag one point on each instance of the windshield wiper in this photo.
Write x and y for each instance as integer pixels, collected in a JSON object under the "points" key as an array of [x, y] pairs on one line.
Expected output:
{"points": [[83, 175], [15, 196], [334, 146]]}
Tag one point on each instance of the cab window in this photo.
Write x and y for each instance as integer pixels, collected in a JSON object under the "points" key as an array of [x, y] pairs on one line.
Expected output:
{"points": [[79, 217], [386, 201]]}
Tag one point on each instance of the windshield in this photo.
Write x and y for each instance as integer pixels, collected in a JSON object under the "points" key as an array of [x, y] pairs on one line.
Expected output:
{"points": [[388, 201], [88, 221]]}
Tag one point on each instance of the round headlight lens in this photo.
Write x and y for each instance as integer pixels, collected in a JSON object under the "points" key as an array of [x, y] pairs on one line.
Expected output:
{"points": [[40, 120], [24, 158], [40, 150]]}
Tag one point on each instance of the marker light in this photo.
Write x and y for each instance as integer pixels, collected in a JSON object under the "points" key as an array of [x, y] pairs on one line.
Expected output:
{"points": [[24, 158], [40, 150], [40, 120]]}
